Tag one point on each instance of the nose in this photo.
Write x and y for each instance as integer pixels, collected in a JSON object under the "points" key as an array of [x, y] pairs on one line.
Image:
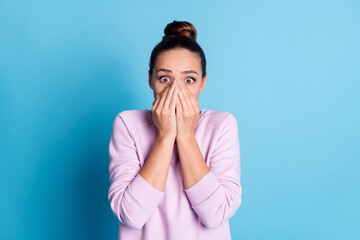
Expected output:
{"points": [[177, 81]]}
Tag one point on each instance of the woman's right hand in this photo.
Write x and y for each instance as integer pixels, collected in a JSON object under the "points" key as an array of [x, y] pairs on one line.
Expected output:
{"points": [[163, 111]]}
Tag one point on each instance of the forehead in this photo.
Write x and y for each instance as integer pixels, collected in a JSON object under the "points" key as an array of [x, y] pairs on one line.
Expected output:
{"points": [[178, 59]]}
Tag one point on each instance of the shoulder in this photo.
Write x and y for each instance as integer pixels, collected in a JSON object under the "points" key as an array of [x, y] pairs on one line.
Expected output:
{"points": [[134, 115], [219, 119], [134, 119]]}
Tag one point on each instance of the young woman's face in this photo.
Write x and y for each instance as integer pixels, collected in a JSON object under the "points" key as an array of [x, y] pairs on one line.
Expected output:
{"points": [[177, 65]]}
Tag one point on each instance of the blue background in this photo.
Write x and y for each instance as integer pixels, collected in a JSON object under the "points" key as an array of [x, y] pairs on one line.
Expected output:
{"points": [[288, 70]]}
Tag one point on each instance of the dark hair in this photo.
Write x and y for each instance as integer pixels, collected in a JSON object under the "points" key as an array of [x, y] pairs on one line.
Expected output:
{"points": [[178, 34]]}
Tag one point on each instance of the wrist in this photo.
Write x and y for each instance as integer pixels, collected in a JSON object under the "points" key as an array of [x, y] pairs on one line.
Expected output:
{"points": [[165, 138], [184, 137]]}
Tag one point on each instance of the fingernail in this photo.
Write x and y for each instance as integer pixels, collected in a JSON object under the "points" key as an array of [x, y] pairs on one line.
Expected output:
{"points": [[157, 96]]}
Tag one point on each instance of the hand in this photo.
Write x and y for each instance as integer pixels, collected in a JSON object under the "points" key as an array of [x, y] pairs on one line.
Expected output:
{"points": [[163, 111], [187, 112]]}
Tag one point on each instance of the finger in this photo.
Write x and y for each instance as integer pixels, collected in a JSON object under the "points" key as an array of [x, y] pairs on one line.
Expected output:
{"points": [[163, 90], [178, 106], [174, 96], [169, 94], [163, 93], [192, 99], [166, 87], [155, 104], [184, 103]]}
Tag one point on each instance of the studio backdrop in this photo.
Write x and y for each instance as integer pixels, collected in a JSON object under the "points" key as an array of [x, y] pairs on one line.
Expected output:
{"points": [[289, 71]]}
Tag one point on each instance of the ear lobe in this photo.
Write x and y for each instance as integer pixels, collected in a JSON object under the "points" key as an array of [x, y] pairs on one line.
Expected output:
{"points": [[203, 83]]}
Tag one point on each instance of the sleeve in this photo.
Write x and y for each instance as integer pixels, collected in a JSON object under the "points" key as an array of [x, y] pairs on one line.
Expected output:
{"points": [[216, 196], [132, 198]]}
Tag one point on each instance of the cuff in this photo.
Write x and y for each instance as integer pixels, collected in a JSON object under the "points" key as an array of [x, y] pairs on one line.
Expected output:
{"points": [[142, 189], [203, 189]]}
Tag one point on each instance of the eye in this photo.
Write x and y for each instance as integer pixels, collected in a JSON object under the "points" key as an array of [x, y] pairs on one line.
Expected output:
{"points": [[191, 80], [164, 77]]}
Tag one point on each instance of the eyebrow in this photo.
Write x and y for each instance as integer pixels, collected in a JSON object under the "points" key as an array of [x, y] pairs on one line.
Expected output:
{"points": [[167, 70]]}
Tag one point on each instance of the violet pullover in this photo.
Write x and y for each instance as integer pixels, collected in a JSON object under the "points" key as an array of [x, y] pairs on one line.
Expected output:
{"points": [[201, 212]]}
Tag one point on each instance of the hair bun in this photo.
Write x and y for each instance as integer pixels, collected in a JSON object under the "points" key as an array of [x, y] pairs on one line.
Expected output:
{"points": [[180, 28]]}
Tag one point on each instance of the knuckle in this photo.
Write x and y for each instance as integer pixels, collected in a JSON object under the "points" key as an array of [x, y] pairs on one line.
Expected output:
{"points": [[166, 113], [162, 113]]}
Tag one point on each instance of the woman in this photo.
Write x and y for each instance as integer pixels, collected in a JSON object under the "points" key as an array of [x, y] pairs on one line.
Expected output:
{"points": [[175, 170]]}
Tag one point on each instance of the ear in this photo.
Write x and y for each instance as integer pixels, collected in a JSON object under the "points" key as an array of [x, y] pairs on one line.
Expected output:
{"points": [[203, 83], [150, 82]]}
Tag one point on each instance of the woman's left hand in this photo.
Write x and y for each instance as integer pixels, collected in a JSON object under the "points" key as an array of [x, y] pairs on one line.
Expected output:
{"points": [[187, 112]]}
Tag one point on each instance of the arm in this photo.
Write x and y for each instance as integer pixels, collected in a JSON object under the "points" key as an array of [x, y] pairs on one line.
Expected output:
{"points": [[217, 195], [135, 197], [193, 166], [156, 167]]}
